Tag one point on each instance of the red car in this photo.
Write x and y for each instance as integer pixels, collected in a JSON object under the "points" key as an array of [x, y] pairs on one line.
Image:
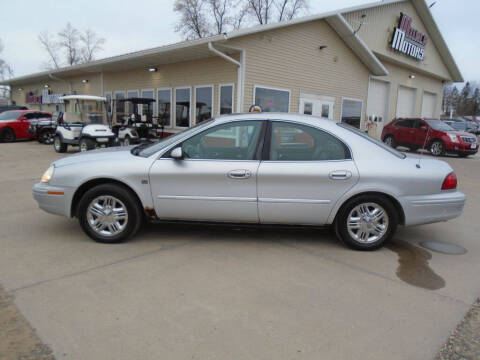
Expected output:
{"points": [[430, 134], [14, 124]]}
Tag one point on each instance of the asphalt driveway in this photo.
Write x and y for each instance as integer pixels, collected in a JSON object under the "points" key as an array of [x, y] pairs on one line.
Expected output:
{"points": [[195, 292]]}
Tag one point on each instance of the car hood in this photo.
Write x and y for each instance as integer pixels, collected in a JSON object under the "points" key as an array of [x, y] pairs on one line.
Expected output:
{"points": [[119, 153], [8, 120], [461, 133]]}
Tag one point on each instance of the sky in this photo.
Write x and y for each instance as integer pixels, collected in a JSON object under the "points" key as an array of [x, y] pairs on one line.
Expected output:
{"points": [[135, 25]]}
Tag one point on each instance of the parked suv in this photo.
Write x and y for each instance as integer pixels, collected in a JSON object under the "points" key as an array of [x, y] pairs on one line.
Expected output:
{"points": [[14, 124], [430, 134]]}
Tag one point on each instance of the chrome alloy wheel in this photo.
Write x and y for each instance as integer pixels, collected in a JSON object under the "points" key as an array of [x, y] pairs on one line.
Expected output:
{"points": [[107, 215], [57, 143], [436, 148], [367, 222]]}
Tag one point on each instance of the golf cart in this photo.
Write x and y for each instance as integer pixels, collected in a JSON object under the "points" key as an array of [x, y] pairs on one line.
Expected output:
{"points": [[137, 125], [85, 123]]}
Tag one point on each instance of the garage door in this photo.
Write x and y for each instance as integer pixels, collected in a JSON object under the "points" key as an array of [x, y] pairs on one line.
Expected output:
{"points": [[406, 102], [377, 104], [429, 104]]}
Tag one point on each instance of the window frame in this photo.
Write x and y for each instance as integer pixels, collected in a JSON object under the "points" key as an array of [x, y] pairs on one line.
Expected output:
{"points": [[268, 143], [256, 86], [154, 98], [259, 147], [220, 97], [170, 126], [194, 108], [361, 110], [174, 122], [124, 92]]}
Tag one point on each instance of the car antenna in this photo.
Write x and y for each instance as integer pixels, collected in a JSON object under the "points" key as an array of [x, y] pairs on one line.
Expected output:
{"points": [[423, 148]]}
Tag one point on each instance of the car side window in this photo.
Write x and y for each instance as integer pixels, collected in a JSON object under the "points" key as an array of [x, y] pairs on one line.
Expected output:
{"points": [[404, 123], [232, 141], [295, 142]]}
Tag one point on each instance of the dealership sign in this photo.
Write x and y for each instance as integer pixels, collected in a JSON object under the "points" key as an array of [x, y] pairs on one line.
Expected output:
{"points": [[48, 98], [31, 98], [408, 40]]}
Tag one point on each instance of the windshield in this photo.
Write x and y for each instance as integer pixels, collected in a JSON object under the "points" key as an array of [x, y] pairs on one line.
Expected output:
{"points": [[150, 149], [9, 115], [85, 112], [439, 125], [373, 140]]}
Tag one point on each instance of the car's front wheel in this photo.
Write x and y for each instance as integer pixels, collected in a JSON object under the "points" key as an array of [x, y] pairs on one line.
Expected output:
{"points": [[58, 145], [366, 222], [109, 213], [437, 148], [86, 144]]}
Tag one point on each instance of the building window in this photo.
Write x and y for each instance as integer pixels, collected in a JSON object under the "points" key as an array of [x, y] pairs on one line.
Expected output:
{"points": [[108, 96], [182, 107], [119, 106], [129, 105], [203, 103], [352, 112], [148, 108], [272, 100], [226, 99], [164, 98]]}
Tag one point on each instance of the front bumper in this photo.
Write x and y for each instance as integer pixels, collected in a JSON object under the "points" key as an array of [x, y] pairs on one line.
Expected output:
{"points": [[426, 209], [53, 199], [463, 148]]}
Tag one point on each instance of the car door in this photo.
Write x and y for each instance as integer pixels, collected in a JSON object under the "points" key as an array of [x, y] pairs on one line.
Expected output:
{"points": [[304, 171], [421, 131], [217, 178], [23, 123]]}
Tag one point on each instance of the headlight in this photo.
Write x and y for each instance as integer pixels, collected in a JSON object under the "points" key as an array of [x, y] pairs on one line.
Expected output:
{"points": [[47, 175], [453, 138]]}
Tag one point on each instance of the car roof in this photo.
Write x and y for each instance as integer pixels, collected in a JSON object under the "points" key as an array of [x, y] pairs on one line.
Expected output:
{"points": [[307, 119]]}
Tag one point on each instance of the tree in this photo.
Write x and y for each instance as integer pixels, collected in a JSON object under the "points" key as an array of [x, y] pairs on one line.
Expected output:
{"points": [[77, 47], [201, 18], [5, 72], [476, 102]]}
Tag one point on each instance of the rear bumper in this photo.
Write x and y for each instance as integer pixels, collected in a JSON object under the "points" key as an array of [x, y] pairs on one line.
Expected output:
{"points": [[426, 209], [53, 199]]}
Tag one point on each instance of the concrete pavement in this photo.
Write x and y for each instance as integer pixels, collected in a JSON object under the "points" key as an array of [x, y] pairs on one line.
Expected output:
{"points": [[194, 292]]}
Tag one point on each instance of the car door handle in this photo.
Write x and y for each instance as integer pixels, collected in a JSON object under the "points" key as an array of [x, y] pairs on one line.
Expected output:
{"points": [[340, 175], [239, 174]]}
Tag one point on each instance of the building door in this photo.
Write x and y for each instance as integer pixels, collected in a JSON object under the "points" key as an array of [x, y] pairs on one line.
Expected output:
{"points": [[377, 104], [406, 102], [429, 104], [317, 105]]}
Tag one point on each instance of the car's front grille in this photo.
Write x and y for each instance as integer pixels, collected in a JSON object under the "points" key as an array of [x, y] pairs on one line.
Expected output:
{"points": [[468, 139]]}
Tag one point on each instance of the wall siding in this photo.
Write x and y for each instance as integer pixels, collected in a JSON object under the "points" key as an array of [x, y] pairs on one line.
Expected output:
{"points": [[378, 31]]}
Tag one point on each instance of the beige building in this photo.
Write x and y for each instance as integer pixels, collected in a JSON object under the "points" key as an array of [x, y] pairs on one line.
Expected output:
{"points": [[362, 65]]}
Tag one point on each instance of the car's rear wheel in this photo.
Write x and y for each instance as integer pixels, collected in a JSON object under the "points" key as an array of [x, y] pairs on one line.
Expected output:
{"points": [[7, 135], [437, 148], [109, 213], [45, 137], [366, 222], [390, 141], [58, 145]]}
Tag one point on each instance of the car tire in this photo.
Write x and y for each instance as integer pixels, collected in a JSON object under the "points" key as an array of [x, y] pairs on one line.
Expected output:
{"points": [[390, 141], [58, 145], [86, 144], [437, 148], [356, 224], [127, 141], [95, 211], [7, 135], [44, 137]]}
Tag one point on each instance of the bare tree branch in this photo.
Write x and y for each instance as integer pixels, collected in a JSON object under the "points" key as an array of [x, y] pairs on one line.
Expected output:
{"points": [[69, 42], [193, 23], [52, 49], [220, 9], [91, 45], [5, 72]]}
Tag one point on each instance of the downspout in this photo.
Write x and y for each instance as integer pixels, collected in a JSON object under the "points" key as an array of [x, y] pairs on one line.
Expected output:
{"points": [[240, 72]]}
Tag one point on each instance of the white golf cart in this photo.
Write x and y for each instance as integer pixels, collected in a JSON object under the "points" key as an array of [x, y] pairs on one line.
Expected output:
{"points": [[85, 123]]}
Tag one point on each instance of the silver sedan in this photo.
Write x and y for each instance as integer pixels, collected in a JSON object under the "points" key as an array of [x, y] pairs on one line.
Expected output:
{"points": [[264, 168]]}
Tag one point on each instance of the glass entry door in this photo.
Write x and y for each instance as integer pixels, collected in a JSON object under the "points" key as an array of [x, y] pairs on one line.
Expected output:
{"points": [[321, 106]]}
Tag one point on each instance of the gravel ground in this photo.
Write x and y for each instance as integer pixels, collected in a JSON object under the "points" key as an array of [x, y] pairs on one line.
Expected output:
{"points": [[464, 343], [18, 340]]}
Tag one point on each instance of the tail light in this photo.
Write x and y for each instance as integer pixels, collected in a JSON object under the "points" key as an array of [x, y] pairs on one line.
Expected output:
{"points": [[450, 182]]}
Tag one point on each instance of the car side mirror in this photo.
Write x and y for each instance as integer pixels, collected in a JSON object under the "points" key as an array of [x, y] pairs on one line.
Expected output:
{"points": [[177, 153]]}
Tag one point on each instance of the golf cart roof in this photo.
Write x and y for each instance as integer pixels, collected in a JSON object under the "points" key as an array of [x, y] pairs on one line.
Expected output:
{"points": [[136, 100], [83, 97]]}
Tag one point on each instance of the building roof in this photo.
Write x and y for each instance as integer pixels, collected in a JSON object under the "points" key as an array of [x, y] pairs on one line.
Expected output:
{"points": [[197, 49]]}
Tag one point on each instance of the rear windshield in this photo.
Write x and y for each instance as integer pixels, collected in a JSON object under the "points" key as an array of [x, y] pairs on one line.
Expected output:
{"points": [[439, 125], [9, 115], [373, 140]]}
